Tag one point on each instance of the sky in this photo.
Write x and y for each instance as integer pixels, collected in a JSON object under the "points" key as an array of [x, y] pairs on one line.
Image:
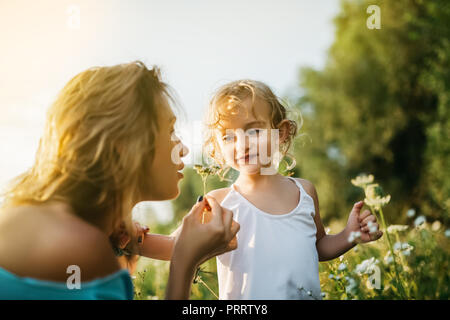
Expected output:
{"points": [[198, 44]]}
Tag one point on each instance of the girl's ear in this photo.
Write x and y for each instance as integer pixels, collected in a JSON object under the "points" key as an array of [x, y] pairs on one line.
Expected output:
{"points": [[284, 128]]}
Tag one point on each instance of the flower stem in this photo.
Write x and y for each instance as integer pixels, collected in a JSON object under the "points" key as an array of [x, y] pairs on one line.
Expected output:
{"points": [[199, 279], [388, 238]]}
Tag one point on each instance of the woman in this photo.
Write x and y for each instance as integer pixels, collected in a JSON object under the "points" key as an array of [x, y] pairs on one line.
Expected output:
{"points": [[107, 145]]}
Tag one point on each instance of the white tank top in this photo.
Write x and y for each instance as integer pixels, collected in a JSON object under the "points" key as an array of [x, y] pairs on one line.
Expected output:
{"points": [[276, 256]]}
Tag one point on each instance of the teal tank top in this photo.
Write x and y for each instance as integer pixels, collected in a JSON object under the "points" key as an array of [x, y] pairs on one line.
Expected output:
{"points": [[116, 286]]}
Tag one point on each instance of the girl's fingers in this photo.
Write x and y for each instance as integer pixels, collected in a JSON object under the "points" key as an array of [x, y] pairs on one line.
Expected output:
{"points": [[364, 215], [367, 219], [357, 206]]}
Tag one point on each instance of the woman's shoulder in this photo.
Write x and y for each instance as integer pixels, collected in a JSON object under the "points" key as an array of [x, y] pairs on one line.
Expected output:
{"points": [[42, 242], [219, 194]]}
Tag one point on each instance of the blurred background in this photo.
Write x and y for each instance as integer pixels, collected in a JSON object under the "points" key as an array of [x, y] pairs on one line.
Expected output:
{"points": [[372, 100]]}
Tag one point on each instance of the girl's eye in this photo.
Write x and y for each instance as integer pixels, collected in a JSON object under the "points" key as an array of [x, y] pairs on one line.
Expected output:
{"points": [[253, 132], [228, 138]]}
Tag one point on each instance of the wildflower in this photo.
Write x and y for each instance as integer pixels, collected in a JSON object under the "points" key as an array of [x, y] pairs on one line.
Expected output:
{"points": [[367, 266], [341, 257], [410, 213], [342, 267], [323, 294], [337, 277], [436, 225], [362, 180], [396, 228], [404, 247], [388, 259], [447, 233], [352, 285], [372, 227], [331, 276], [309, 293], [419, 221], [354, 235], [375, 196]]}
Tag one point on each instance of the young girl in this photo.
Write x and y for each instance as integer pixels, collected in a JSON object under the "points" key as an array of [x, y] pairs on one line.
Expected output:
{"points": [[281, 239]]}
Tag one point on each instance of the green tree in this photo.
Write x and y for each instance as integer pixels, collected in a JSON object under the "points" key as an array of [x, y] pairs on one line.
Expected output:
{"points": [[381, 105]]}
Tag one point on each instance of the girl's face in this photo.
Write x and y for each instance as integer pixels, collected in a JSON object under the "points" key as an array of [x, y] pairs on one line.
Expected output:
{"points": [[246, 142], [165, 169]]}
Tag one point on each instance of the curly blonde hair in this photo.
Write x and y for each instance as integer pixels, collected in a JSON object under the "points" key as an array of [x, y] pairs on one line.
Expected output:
{"points": [[98, 144], [227, 101]]}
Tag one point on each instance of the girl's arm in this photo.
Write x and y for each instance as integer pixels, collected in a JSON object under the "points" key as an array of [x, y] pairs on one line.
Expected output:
{"points": [[157, 246], [332, 246]]}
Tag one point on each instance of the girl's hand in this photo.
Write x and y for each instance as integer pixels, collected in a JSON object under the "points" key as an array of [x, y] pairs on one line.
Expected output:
{"points": [[197, 242], [131, 243], [365, 223]]}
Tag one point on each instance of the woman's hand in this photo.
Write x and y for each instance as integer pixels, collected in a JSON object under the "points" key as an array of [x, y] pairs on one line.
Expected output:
{"points": [[197, 242], [365, 223]]}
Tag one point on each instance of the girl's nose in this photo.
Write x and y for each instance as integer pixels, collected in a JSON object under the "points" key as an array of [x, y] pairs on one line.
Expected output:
{"points": [[242, 142]]}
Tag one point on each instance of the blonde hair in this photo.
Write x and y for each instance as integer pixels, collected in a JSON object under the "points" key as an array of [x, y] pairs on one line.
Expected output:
{"points": [[98, 144], [227, 101]]}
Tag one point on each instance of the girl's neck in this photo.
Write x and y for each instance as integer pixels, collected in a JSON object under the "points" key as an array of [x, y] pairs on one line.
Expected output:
{"points": [[249, 183]]}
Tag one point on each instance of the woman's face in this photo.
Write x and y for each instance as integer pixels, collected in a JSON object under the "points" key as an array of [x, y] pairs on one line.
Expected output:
{"points": [[165, 169]]}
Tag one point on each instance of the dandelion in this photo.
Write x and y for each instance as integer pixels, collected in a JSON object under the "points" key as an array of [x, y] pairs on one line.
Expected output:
{"points": [[447, 233], [397, 228], [354, 235], [419, 221], [342, 267], [362, 180], [410, 213]]}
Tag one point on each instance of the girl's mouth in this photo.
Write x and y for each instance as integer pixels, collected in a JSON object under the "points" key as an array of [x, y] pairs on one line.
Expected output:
{"points": [[248, 158]]}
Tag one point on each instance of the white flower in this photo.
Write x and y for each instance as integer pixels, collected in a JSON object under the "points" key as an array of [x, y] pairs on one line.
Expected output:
{"points": [[337, 277], [447, 233], [388, 259], [354, 235], [362, 180], [323, 294], [397, 246], [309, 293], [331, 276], [350, 288], [342, 266], [378, 201], [396, 228], [367, 266], [436, 225], [372, 227], [419, 221], [411, 213]]}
